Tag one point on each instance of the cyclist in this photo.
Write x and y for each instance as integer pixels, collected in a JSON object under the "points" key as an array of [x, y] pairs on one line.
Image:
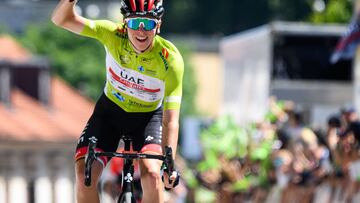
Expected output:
{"points": [[142, 94]]}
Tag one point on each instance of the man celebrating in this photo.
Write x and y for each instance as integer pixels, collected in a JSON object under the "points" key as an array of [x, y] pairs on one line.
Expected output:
{"points": [[142, 94]]}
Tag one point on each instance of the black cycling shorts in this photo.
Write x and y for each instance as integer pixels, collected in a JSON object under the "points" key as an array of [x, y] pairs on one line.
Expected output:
{"points": [[109, 123]]}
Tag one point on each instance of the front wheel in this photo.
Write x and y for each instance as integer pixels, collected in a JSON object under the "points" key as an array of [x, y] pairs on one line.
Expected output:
{"points": [[127, 198]]}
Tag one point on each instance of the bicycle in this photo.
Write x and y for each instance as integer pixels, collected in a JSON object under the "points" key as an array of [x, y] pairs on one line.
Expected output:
{"points": [[126, 195]]}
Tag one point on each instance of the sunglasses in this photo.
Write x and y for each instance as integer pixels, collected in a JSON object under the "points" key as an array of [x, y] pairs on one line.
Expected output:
{"points": [[147, 23]]}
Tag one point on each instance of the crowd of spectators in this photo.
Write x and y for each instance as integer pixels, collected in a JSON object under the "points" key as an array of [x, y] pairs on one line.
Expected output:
{"points": [[281, 158]]}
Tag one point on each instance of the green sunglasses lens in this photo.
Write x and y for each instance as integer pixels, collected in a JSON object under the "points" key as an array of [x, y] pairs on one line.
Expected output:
{"points": [[148, 24], [133, 24]]}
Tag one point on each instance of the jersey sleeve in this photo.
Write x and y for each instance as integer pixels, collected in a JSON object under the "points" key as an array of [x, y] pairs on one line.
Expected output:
{"points": [[173, 84], [99, 29]]}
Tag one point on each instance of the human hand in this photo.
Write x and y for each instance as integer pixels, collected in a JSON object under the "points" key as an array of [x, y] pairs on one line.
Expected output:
{"points": [[170, 176], [171, 181]]}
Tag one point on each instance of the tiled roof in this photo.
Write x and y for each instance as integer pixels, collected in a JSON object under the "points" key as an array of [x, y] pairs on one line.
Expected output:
{"points": [[29, 120], [11, 50]]}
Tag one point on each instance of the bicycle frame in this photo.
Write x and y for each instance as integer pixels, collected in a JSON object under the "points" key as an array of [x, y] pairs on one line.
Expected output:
{"points": [[128, 169]]}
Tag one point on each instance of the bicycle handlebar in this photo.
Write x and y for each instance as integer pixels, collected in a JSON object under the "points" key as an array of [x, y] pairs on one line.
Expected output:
{"points": [[92, 155]]}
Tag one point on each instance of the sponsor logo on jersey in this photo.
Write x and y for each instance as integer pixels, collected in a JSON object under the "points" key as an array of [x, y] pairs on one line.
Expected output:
{"points": [[163, 58], [93, 138], [141, 68], [149, 138], [134, 103], [123, 89], [146, 60], [125, 59], [118, 96], [165, 53], [121, 32], [131, 81]]}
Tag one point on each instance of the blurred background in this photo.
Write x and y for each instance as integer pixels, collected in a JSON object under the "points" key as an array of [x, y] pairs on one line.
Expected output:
{"points": [[269, 111]]}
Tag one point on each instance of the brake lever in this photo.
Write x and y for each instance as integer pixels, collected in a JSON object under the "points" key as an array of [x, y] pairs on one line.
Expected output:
{"points": [[169, 161], [89, 159], [170, 167]]}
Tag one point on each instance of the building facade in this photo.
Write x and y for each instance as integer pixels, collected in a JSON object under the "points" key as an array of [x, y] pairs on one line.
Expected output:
{"points": [[41, 118]]}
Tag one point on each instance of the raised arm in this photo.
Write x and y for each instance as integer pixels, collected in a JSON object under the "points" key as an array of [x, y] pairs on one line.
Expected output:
{"points": [[64, 16]]}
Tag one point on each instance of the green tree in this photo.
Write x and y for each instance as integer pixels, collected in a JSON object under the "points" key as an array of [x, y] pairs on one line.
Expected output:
{"points": [[78, 60], [336, 11]]}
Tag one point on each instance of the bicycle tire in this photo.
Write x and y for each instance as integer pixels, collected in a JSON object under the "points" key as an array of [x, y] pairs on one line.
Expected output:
{"points": [[127, 198]]}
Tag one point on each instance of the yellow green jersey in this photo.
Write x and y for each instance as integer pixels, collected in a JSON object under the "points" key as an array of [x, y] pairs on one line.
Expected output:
{"points": [[138, 82]]}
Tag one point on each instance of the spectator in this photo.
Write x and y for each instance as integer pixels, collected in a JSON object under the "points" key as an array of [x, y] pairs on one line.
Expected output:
{"points": [[352, 122]]}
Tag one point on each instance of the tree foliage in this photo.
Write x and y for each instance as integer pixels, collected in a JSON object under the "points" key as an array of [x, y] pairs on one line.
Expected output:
{"points": [[336, 11], [78, 60]]}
